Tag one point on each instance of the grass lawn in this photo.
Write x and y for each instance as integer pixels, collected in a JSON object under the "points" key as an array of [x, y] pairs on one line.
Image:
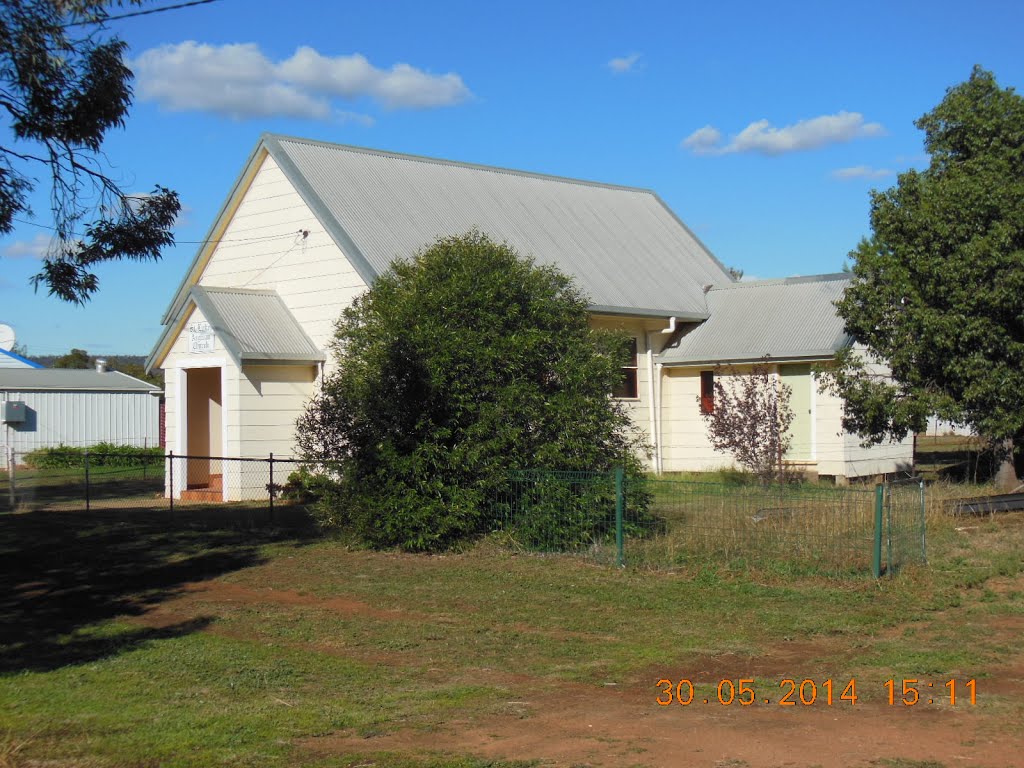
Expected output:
{"points": [[65, 487], [138, 640], [959, 457]]}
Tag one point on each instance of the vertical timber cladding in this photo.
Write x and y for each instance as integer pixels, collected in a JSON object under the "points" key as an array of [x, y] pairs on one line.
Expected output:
{"points": [[798, 378]]}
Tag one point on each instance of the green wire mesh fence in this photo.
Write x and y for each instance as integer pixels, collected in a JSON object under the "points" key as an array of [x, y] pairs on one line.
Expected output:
{"points": [[671, 523], [903, 528]]}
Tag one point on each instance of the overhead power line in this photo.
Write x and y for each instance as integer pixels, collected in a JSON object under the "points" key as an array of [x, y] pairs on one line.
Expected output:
{"points": [[146, 12], [303, 233]]}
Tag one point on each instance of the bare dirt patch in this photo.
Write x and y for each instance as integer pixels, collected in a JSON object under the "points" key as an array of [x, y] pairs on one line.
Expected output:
{"points": [[194, 595], [580, 726], [621, 725], [792, 659]]}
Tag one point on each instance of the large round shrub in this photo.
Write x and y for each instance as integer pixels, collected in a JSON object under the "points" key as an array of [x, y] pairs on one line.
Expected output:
{"points": [[459, 365]]}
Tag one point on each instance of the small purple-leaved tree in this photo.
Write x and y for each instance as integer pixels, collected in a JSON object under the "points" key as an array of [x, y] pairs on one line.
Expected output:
{"points": [[750, 419]]}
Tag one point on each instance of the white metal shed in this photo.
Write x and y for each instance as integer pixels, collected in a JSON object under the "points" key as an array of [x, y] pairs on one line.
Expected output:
{"points": [[75, 407]]}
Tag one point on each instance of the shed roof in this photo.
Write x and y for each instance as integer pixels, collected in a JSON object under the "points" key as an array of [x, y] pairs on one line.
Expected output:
{"points": [[255, 325], [10, 359], [625, 248], [70, 379], [789, 319]]}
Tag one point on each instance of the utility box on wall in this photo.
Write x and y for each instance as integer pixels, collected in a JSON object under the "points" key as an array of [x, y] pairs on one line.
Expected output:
{"points": [[15, 412]]}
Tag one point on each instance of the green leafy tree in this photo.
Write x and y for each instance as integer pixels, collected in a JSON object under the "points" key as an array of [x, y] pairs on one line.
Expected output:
{"points": [[76, 358], [138, 370], [938, 287], [63, 86], [461, 364]]}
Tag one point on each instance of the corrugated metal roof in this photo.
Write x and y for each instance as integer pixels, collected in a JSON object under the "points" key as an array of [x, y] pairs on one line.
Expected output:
{"points": [[10, 359], [793, 318], [255, 325], [625, 248], [24, 379]]}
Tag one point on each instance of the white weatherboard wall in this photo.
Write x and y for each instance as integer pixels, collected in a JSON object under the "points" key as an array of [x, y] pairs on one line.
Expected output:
{"points": [[646, 332], [180, 357], [272, 241], [830, 438], [834, 453], [685, 444], [82, 419], [262, 248], [259, 406], [880, 459], [271, 397]]}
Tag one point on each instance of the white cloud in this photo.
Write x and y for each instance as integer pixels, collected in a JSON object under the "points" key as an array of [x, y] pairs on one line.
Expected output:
{"points": [[763, 138], [623, 63], [240, 81], [354, 117], [36, 248], [353, 76], [861, 172], [704, 140]]}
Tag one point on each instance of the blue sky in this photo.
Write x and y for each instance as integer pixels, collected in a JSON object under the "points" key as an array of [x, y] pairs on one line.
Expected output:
{"points": [[763, 125]]}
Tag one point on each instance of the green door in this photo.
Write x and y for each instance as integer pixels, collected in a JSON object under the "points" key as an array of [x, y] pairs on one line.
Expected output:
{"points": [[798, 378]]}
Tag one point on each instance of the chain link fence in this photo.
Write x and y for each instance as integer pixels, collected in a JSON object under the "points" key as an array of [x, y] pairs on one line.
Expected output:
{"points": [[669, 523], [84, 480], [603, 516]]}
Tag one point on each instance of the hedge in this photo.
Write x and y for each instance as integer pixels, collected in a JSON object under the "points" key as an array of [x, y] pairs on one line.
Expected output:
{"points": [[100, 455]]}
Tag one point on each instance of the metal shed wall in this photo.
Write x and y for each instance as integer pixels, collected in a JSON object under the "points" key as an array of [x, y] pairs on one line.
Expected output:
{"points": [[81, 419]]}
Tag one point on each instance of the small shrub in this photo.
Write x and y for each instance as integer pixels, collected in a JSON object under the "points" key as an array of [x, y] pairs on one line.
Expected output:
{"points": [[317, 491], [567, 511], [751, 419]]}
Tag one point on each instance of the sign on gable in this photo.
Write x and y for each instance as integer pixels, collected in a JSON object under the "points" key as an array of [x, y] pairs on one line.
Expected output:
{"points": [[200, 338]]}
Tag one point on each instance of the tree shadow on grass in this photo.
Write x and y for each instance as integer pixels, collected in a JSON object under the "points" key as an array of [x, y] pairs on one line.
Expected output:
{"points": [[62, 573]]}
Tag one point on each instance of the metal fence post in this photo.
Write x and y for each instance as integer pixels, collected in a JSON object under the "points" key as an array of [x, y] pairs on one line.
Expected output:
{"points": [[924, 527], [876, 559], [11, 464], [270, 487], [86, 479], [889, 570], [619, 504], [170, 473]]}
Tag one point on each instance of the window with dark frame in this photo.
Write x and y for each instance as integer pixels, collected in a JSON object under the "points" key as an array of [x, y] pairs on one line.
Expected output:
{"points": [[627, 386], [707, 391]]}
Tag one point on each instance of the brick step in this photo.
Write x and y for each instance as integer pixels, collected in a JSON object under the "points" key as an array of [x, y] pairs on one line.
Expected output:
{"points": [[202, 494], [211, 491]]}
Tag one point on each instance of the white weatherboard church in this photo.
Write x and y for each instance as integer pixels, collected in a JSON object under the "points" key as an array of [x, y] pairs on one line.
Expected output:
{"points": [[308, 226]]}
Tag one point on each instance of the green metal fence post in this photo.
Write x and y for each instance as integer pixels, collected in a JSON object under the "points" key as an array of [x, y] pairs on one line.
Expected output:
{"points": [[619, 504], [890, 568], [876, 559]]}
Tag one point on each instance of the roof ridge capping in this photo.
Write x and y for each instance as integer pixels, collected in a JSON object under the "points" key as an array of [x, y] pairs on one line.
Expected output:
{"points": [[272, 139], [828, 277]]}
